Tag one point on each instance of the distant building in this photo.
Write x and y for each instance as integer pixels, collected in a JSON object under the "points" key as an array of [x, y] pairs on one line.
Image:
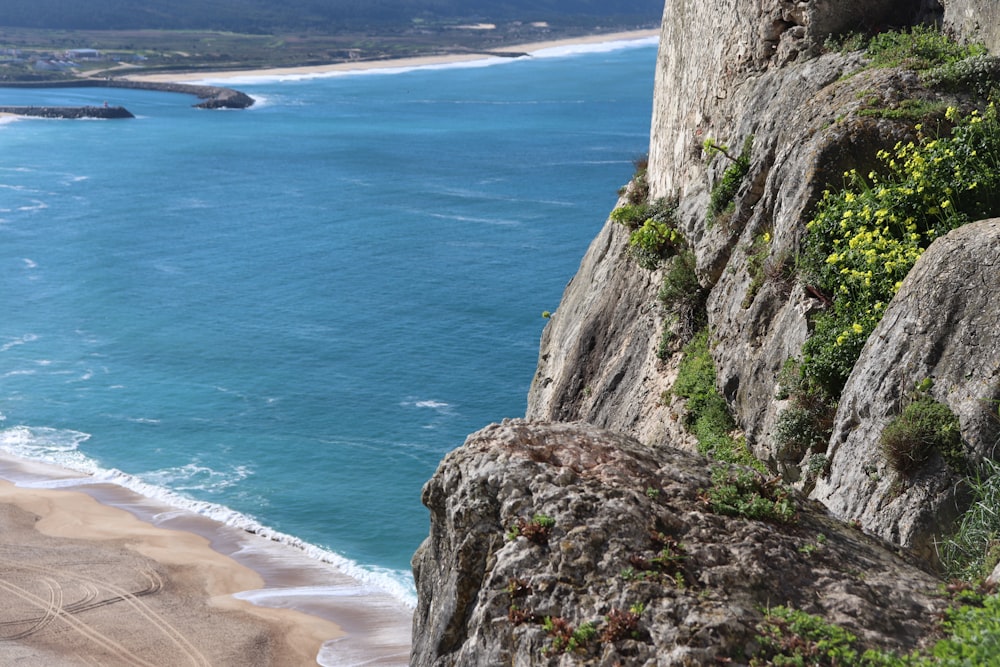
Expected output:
{"points": [[84, 54]]}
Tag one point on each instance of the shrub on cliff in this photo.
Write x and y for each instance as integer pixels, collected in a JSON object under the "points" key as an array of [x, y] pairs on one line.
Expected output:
{"points": [[724, 192], [708, 413], [924, 427], [919, 48], [864, 238]]}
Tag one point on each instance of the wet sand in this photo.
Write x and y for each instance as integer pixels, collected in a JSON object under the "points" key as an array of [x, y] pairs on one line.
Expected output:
{"points": [[96, 574]]}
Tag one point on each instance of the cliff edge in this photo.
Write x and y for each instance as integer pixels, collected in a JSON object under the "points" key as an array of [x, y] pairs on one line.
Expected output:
{"points": [[799, 281]]}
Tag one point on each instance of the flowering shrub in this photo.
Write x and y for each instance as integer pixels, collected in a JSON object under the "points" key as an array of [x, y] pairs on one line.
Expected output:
{"points": [[865, 238]]}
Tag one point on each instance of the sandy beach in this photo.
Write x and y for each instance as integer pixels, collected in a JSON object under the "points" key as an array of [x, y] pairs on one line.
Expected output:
{"points": [[354, 66], [84, 579]]}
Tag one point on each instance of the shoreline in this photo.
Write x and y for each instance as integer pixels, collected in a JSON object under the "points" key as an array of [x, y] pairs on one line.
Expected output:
{"points": [[211, 575], [505, 52]]}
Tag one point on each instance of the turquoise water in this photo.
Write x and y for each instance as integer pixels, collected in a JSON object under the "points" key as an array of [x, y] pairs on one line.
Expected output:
{"points": [[284, 317]]}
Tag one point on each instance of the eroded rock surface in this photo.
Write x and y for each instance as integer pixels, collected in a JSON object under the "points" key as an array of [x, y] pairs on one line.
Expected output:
{"points": [[941, 326], [614, 501]]}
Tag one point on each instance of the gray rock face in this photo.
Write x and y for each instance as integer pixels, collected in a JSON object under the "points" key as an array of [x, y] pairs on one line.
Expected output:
{"points": [[598, 355], [977, 20], [613, 502], [597, 360], [944, 325], [708, 50]]}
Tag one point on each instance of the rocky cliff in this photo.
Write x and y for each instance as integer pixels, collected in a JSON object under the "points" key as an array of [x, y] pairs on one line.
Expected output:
{"points": [[634, 551], [810, 117], [629, 538]]}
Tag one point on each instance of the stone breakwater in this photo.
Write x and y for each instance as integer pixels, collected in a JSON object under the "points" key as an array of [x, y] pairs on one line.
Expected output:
{"points": [[213, 97], [69, 112]]}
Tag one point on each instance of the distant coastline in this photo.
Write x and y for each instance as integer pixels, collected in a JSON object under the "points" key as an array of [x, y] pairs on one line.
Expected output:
{"points": [[198, 83], [512, 51]]}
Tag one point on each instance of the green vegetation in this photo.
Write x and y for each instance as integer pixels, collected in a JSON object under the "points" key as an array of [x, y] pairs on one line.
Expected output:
{"points": [[708, 414], [724, 192], [913, 110], [806, 423], [653, 229], [924, 427], [683, 297], [766, 267], [666, 565], [792, 637], [565, 637], [657, 238], [974, 550], [920, 48], [746, 493], [622, 624], [255, 16], [864, 238], [979, 74], [192, 35]]}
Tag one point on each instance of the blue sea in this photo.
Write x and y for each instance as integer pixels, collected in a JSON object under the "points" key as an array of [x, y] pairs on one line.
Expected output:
{"points": [[284, 317]]}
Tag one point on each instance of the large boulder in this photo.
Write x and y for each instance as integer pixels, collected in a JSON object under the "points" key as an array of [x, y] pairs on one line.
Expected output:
{"points": [[942, 326], [484, 589]]}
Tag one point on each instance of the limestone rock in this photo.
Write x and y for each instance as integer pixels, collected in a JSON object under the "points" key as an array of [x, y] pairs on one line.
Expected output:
{"points": [[942, 325], [613, 502], [597, 360], [974, 20]]}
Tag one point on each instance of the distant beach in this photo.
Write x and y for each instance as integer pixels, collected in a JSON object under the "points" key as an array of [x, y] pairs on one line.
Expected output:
{"points": [[234, 76]]}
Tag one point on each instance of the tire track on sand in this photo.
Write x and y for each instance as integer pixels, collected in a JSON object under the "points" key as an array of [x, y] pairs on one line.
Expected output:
{"points": [[76, 624], [154, 584]]}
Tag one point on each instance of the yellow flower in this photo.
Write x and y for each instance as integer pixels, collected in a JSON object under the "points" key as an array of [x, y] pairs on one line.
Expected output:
{"points": [[857, 328]]}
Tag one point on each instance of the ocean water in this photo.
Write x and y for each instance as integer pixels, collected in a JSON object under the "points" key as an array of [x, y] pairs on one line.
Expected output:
{"points": [[284, 317]]}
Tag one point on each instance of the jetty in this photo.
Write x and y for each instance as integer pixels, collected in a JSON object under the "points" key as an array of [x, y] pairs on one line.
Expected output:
{"points": [[105, 112], [212, 97]]}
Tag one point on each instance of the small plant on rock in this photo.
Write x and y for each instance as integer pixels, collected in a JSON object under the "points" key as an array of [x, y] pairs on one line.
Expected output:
{"points": [[863, 239], [792, 637], [974, 550], [924, 427], [683, 297], [748, 494], [622, 624], [920, 48], [708, 413], [637, 191], [537, 529], [724, 192]]}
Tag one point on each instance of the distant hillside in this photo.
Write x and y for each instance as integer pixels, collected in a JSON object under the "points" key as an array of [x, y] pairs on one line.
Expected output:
{"points": [[267, 16]]}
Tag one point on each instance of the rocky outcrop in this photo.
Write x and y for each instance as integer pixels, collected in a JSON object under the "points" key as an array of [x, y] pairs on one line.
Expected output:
{"points": [[598, 354], [617, 506], [941, 326]]}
